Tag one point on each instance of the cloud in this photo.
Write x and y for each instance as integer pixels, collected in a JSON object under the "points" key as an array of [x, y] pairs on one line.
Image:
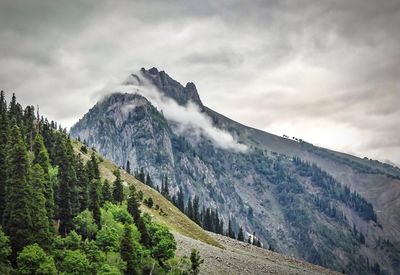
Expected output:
{"points": [[310, 69], [187, 120]]}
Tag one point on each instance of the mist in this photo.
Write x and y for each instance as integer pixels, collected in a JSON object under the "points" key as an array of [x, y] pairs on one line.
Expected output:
{"points": [[187, 120]]}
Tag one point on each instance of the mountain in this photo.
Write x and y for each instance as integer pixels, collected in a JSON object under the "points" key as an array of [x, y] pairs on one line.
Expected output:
{"points": [[189, 235], [322, 206]]}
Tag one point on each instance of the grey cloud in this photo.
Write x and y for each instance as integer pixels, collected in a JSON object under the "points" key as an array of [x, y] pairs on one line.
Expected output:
{"points": [[276, 65], [222, 57]]}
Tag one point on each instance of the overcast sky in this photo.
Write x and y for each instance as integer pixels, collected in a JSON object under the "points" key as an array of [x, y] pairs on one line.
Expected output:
{"points": [[324, 71]]}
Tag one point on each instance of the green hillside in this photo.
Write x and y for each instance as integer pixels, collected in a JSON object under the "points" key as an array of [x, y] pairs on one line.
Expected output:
{"points": [[171, 216]]}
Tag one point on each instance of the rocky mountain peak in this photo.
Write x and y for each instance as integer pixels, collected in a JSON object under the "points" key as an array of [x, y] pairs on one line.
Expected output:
{"points": [[172, 88]]}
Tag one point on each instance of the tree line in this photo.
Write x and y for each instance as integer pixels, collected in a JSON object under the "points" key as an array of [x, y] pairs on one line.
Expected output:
{"points": [[331, 188], [206, 217]]}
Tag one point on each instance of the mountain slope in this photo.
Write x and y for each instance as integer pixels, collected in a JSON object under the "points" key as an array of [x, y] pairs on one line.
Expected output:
{"points": [[189, 235], [173, 218], [378, 182], [322, 206]]}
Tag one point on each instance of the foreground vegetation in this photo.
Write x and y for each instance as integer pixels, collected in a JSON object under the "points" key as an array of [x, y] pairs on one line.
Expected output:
{"points": [[60, 217]]}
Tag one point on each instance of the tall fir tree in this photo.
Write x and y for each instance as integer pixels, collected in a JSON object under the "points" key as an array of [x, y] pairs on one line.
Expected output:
{"points": [[207, 219], [17, 220], [40, 152], [93, 168], [142, 175], [40, 220], [128, 251], [3, 150], [67, 199], [180, 200], [82, 184], [118, 189], [134, 205], [165, 187], [196, 209], [106, 192], [189, 208], [42, 158], [240, 236], [29, 125], [128, 167], [221, 227], [15, 113], [94, 201], [144, 233]]}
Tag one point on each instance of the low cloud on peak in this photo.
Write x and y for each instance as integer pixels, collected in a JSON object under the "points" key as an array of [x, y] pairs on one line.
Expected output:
{"points": [[187, 120]]}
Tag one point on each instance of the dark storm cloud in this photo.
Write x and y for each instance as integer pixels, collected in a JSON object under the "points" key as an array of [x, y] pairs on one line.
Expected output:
{"points": [[323, 70]]}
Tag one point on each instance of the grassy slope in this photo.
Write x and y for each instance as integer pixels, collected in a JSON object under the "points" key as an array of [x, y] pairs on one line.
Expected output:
{"points": [[173, 217]]}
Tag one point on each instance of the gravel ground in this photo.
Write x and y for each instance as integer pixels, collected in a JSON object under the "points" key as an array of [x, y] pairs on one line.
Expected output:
{"points": [[242, 258]]}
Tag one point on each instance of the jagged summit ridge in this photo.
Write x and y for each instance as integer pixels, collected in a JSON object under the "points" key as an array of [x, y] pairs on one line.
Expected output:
{"points": [[172, 88]]}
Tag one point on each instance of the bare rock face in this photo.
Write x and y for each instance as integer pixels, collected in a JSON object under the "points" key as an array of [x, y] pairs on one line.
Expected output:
{"points": [[271, 189], [172, 88]]}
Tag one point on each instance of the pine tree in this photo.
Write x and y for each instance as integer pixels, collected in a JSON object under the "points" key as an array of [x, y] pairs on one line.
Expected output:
{"points": [[40, 220], [144, 234], [128, 167], [93, 168], [189, 211], [118, 189], [67, 198], [141, 175], [196, 208], [82, 184], [133, 205], [15, 113], [221, 227], [29, 125], [240, 235], [207, 219], [17, 220], [128, 251], [106, 191], [3, 150], [165, 188], [180, 200], [40, 153], [215, 221], [42, 159], [94, 201], [195, 261]]}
